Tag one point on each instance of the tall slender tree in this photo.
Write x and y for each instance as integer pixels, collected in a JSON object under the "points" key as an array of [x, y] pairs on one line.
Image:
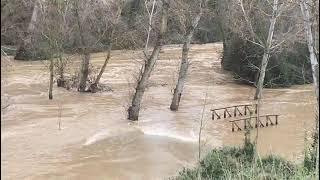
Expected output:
{"points": [[266, 34], [309, 26], [54, 28], [51, 79], [134, 109], [310, 36], [185, 53], [110, 36], [267, 48], [84, 71]]}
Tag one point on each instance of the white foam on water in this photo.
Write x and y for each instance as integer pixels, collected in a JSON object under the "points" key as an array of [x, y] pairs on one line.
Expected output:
{"points": [[97, 137], [114, 132], [159, 131], [5, 135], [164, 132]]}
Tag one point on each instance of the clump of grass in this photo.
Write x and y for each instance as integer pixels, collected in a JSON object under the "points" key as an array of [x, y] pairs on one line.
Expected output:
{"points": [[239, 163]]}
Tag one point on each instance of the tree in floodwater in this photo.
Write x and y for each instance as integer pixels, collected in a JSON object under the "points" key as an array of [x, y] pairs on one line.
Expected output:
{"points": [[51, 79], [264, 25], [53, 25], [310, 15], [145, 72], [185, 51], [110, 21], [87, 22], [80, 16], [287, 63], [268, 28], [311, 34], [267, 45]]}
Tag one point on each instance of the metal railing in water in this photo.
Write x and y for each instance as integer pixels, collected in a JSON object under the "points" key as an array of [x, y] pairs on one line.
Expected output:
{"points": [[262, 121], [241, 111], [234, 111]]}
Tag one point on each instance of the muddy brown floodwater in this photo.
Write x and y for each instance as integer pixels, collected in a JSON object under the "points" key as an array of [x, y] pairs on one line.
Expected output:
{"points": [[97, 142]]}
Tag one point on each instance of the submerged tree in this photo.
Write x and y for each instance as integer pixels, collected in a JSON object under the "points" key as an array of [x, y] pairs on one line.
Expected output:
{"points": [[311, 23], [133, 111], [268, 44], [84, 50], [266, 25], [54, 27], [245, 36], [267, 48], [185, 51], [110, 22], [311, 34]]}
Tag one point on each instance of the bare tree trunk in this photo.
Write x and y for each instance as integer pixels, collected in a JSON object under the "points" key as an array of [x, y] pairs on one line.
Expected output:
{"points": [[315, 70], [182, 77], [51, 79], [61, 82], [184, 62], [84, 72], [133, 111], [86, 55], [61, 67], [94, 86], [23, 52], [96, 82], [266, 53], [310, 39]]}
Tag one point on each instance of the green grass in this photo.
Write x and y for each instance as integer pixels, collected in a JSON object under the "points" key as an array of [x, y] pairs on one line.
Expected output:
{"points": [[240, 164]]}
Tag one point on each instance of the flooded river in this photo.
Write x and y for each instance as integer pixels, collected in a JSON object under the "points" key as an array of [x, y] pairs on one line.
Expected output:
{"points": [[95, 141]]}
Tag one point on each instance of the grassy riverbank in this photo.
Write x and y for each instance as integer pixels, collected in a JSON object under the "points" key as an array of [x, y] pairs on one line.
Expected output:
{"points": [[242, 163]]}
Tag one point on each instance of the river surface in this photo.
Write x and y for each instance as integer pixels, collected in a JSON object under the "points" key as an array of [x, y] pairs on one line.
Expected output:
{"points": [[95, 141]]}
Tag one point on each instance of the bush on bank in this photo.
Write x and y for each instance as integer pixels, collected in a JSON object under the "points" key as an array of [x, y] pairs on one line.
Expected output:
{"points": [[239, 163]]}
